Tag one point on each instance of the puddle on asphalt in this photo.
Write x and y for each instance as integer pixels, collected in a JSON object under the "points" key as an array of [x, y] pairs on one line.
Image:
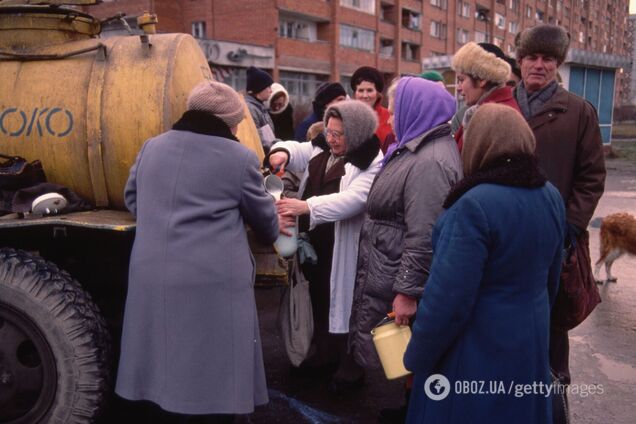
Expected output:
{"points": [[615, 370]]}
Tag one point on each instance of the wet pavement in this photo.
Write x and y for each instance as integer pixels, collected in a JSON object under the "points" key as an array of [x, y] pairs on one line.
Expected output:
{"points": [[603, 348], [296, 399]]}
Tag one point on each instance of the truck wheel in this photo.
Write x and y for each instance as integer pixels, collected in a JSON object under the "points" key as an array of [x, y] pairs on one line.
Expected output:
{"points": [[55, 349]]}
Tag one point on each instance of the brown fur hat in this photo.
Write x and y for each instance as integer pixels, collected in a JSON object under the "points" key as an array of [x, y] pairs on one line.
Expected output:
{"points": [[475, 61], [546, 39]]}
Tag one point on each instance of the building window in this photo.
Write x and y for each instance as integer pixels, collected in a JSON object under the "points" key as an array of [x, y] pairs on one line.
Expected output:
{"points": [[511, 50], [357, 38], [234, 77], [301, 87], [410, 52], [198, 29], [367, 6], [581, 37], [462, 36], [464, 9], [497, 41], [438, 30], [514, 5], [411, 20], [500, 21], [513, 27], [481, 37], [439, 3], [528, 12], [386, 47], [539, 15], [482, 14], [501, 2], [387, 13], [297, 29]]}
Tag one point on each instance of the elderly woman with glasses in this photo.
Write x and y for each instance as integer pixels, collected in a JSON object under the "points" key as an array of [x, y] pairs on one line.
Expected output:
{"points": [[339, 166]]}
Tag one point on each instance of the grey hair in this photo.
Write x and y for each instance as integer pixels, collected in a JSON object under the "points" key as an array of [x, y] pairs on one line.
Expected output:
{"points": [[390, 92]]}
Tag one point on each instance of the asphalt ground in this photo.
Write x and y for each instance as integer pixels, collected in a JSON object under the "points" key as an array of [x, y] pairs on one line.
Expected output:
{"points": [[603, 348]]}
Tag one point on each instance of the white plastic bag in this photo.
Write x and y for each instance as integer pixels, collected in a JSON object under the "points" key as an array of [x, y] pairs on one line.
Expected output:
{"points": [[295, 318]]}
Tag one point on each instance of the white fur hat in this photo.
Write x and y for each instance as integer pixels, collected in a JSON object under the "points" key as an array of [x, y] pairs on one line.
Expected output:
{"points": [[475, 61], [277, 89]]}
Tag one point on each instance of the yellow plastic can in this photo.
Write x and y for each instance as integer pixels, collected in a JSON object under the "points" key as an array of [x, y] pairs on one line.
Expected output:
{"points": [[390, 341]]}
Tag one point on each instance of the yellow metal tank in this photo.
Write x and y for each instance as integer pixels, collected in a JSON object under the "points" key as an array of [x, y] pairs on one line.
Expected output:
{"points": [[84, 105]]}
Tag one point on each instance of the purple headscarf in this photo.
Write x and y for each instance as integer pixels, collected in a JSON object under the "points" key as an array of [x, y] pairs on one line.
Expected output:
{"points": [[419, 106]]}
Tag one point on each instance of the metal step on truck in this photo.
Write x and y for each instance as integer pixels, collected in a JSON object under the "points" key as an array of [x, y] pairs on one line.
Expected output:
{"points": [[83, 105]]}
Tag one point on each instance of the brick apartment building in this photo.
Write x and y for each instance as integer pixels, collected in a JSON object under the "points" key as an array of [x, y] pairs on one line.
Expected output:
{"points": [[305, 42]]}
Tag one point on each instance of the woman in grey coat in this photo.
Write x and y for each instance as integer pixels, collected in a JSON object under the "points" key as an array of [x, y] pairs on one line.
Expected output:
{"points": [[190, 339], [405, 200]]}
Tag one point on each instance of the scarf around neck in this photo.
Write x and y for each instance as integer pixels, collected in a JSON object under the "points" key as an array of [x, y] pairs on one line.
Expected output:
{"points": [[204, 123], [531, 103]]}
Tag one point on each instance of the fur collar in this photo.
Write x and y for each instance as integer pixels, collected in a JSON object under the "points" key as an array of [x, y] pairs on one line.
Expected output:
{"points": [[360, 157], [204, 123], [517, 171], [365, 153]]}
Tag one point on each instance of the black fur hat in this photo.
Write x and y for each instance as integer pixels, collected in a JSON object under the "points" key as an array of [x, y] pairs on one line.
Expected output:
{"points": [[367, 73], [549, 40]]}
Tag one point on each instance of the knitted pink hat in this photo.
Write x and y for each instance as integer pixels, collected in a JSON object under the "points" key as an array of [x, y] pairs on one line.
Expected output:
{"points": [[219, 100]]}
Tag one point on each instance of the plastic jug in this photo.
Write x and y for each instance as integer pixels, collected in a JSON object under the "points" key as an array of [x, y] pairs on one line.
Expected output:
{"points": [[390, 342], [286, 246]]}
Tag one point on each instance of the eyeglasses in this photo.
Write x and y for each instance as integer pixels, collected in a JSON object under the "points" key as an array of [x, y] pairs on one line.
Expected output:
{"points": [[335, 134]]}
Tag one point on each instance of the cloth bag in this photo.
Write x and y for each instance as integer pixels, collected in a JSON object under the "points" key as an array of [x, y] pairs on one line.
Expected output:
{"points": [[295, 316], [578, 294]]}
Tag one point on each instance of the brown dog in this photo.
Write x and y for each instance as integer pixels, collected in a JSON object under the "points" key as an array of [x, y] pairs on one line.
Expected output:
{"points": [[618, 236]]}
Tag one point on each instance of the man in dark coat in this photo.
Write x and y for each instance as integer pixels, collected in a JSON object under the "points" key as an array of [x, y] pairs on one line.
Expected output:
{"points": [[569, 143], [190, 339]]}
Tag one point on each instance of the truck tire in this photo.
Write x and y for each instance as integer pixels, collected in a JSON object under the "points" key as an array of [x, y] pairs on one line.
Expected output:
{"points": [[55, 350]]}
